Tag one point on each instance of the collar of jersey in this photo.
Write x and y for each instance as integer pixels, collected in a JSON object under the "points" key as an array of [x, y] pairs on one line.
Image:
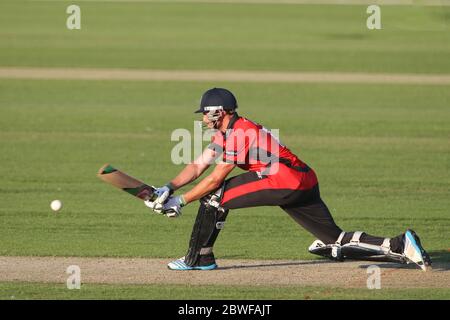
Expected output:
{"points": [[231, 124]]}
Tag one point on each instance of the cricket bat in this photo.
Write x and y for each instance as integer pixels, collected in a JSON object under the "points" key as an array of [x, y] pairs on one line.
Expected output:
{"points": [[126, 183]]}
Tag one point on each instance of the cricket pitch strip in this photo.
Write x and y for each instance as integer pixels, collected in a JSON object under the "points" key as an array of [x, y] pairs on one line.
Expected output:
{"points": [[352, 274]]}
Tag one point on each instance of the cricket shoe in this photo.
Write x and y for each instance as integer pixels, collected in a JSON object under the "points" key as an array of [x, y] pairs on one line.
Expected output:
{"points": [[180, 265], [414, 251]]}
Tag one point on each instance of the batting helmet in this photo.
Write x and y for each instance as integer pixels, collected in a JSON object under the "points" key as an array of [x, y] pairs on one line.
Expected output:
{"points": [[217, 98]]}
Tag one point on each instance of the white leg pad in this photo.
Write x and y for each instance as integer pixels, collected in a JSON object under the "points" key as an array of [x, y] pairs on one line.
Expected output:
{"points": [[356, 250]]}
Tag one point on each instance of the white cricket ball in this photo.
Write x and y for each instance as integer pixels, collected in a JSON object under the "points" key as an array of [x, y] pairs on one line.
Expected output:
{"points": [[56, 205]]}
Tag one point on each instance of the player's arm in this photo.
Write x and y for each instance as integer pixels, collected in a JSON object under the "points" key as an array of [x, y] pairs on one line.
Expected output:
{"points": [[209, 183], [189, 173], [172, 208], [194, 170]]}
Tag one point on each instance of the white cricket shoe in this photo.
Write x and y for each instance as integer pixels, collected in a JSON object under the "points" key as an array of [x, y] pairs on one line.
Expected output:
{"points": [[414, 251], [180, 265]]}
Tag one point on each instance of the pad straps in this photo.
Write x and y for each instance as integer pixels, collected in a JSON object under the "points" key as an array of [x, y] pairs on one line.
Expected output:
{"points": [[386, 244], [339, 239], [356, 236]]}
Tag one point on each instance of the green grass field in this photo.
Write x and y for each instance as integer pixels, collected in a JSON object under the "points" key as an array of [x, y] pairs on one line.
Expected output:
{"points": [[23, 291], [381, 151], [225, 36]]}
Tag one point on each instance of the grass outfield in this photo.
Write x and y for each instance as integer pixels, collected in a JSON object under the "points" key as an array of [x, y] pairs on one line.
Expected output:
{"points": [[225, 37], [23, 291], [381, 153]]}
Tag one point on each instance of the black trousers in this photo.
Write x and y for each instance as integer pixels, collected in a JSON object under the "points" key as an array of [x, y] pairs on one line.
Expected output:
{"points": [[306, 207]]}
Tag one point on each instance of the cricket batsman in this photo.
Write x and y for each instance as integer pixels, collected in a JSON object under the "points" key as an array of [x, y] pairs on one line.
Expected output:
{"points": [[274, 177]]}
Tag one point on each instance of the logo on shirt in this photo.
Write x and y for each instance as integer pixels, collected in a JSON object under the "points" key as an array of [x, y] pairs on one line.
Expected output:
{"points": [[231, 153]]}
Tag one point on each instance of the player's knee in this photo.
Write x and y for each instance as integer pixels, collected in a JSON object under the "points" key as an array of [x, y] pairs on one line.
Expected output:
{"points": [[213, 199]]}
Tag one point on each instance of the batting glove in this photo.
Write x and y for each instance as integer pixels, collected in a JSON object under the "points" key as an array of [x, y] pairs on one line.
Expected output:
{"points": [[172, 208], [162, 194], [157, 208]]}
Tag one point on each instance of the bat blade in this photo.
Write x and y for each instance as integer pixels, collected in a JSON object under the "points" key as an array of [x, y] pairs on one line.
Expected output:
{"points": [[123, 181]]}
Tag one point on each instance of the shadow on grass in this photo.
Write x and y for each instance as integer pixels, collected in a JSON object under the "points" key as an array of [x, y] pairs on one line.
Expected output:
{"points": [[440, 259], [440, 256]]}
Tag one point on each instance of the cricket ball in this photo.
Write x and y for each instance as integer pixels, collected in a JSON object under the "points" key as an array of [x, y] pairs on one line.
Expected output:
{"points": [[56, 205]]}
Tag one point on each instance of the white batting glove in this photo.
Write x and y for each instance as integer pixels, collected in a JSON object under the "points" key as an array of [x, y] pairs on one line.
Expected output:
{"points": [[156, 207], [162, 194], [172, 208]]}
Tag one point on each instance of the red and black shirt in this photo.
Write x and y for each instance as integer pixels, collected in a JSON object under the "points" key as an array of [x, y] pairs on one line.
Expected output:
{"points": [[252, 147]]}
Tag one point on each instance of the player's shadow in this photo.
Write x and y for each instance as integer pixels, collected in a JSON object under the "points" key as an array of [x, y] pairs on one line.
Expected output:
{"points": [[440, 262], [440, 259], [390, 265], [276, 264]]}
